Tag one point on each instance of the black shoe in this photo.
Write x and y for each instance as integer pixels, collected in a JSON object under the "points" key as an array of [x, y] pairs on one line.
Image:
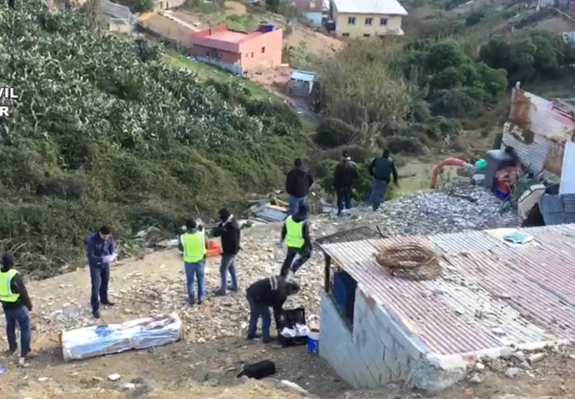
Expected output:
{"points": [[200, 301], [10, 352], [253, 336], [220, 292], [96, 314], [268, 340], [108, 303]]}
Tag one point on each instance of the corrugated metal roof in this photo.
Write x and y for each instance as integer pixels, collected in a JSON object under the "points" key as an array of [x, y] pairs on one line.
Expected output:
{"points": [[528, 291], [306, 76], [377, 7], [557, 209]]}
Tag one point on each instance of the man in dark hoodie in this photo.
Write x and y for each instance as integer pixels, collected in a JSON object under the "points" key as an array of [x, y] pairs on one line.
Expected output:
{"points": [[229, 231], [344, 178], [17, 305], [381, 169], [100, 246], [298, 182], [264, 294], [295, 234]]}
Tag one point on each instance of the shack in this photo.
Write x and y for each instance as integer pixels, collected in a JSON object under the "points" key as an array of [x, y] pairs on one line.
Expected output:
{"points": [[301, 83], [377, 328]]}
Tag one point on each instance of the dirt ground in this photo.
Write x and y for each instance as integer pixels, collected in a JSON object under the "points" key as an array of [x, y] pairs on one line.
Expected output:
{"points": [[207, 368]]}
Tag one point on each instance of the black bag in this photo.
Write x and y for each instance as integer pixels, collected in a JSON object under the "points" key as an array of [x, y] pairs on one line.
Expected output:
{"points": [[259, 370]]}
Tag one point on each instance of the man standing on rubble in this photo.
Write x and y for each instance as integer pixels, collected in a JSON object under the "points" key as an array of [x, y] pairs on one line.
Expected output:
{"points": [[344, 178], [16, 305], [100, 248], [229, 231], [296, 235], [381, 169], [194, 245], [264, 294], [298, 183]]}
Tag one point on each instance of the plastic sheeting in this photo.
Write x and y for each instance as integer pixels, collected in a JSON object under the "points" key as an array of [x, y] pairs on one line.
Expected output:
{"points": [[88, 342]]}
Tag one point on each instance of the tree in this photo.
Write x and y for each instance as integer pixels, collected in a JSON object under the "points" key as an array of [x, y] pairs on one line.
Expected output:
{"points": [[143, 5]]}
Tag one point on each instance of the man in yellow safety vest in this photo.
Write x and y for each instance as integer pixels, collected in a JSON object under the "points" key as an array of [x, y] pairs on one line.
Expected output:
{"points": [[194, 244], [295, 234], [17, 305]]}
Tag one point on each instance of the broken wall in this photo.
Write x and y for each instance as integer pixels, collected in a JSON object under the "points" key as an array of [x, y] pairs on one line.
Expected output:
{"points": [[537, 129]]}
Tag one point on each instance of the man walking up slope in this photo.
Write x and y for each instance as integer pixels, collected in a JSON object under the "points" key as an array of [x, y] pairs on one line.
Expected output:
{"points": [[381, 169], [298, 182], [17, 305], [344, 178]]}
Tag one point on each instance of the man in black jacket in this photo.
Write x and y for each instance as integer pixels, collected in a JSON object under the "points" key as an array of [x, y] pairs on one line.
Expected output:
{"points": [[296, 235], [344, 178], [264, 294], [381, 169], [298, 182], [17, 306], [229, 231]]}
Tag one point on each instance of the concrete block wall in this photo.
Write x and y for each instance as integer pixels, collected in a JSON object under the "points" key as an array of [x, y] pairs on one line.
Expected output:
{"points": [[375, 352]]}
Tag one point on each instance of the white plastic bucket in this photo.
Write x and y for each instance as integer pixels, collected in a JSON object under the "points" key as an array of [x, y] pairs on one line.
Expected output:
{"points": [[313, 342]]}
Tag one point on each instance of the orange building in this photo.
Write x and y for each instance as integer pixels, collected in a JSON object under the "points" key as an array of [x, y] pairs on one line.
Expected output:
{"points": [[246, 51]]}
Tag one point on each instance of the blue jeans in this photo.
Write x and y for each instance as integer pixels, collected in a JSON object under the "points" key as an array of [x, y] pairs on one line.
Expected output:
{"points": [[294, 204], [21, 317], [196, 271], [100, 277], [343, 200], [377, 196], [228, 264], [257, 310]]}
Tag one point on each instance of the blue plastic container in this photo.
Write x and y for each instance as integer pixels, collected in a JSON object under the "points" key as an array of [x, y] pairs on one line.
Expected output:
{"points": [[501, 195], [269, 28], [313, 343]]}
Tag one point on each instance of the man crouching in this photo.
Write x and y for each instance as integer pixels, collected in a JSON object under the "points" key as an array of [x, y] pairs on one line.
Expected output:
{"points": [[263, 294]]}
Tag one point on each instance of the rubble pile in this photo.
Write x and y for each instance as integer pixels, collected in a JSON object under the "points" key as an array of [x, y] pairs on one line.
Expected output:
{"points": [[143, 294], [513, 362]]}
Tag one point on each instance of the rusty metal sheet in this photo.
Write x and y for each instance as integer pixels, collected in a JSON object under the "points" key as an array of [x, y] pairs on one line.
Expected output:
{"points": [[520, 107], [554, 159], [529, 289]]}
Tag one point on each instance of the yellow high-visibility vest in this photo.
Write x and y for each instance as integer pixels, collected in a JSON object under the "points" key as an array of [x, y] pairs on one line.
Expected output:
{"points": [[6, 294], [294, 233], [194, 246]]}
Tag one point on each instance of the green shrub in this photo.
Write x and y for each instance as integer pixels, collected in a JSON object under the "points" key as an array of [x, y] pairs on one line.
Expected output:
{"points": [[105, 132], [408, 145], [332, 132]]}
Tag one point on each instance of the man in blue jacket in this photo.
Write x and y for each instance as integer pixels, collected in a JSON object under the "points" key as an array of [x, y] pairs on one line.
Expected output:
{"points": [[100, 245]]}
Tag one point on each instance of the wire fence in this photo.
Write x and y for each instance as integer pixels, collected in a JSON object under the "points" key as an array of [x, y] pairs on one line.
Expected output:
{"points": [[118, 12]]}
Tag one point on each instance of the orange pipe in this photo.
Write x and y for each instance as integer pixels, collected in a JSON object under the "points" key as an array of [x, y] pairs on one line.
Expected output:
{"points": [[445, 162]]}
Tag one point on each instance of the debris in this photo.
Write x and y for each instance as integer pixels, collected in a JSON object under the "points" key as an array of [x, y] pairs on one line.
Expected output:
{"points": [[506, 353], [499, 331], [143, 333], [3, 369], [294, 386], [269, 213], [114, 377], [536, 357], [128, 386], [43, 379], [475, 379], [512, 372]]}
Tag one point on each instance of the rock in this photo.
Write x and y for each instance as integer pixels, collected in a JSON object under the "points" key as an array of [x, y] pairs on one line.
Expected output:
{"points": [[572, 357], [114, 377], [520, 356], [512, 372], [128, 386], [43, 379], [475, 379], [97, 379], [479, 366], [506, 353], [536, 357]]}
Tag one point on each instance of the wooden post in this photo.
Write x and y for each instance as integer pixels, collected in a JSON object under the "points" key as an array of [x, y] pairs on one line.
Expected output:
{"points": [[327, 272]]}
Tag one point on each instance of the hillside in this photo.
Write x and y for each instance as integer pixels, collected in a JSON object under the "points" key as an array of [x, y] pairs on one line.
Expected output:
{"points": [[106, 132]]}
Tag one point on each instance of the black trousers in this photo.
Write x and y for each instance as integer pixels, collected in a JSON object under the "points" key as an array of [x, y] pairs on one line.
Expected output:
{"points": [[304, 255]]}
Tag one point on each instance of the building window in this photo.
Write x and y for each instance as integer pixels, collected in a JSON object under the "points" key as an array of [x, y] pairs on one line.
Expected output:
{"points": [[383, 21], [351, 21], [252, 55], [368, 21], [312, 5], [263, 50], [366, 35], [345, 35]]}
